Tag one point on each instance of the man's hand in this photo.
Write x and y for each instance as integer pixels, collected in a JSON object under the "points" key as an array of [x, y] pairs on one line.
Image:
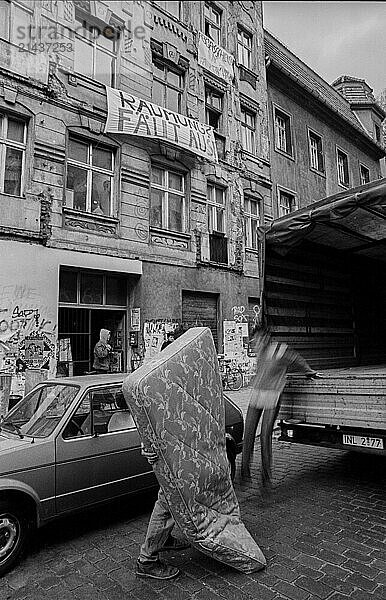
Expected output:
{"points": [[108, 347], [150, 455], [314, 375]]}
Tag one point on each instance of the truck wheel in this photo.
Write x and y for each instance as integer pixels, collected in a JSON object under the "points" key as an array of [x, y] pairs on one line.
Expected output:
{"points": [[13, 535]]}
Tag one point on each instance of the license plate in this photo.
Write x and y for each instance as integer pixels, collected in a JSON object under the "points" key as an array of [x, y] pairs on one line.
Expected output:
{"points": [[363, 441]]}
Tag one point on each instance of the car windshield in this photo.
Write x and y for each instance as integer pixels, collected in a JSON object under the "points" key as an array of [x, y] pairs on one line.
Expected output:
{"points": [[41, 410]]}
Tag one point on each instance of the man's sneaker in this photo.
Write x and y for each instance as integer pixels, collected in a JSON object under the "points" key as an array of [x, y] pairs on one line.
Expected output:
{"points": [[156, 570], [173, 543]]}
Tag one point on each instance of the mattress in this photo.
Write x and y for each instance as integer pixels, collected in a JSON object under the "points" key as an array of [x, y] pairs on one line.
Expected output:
{"points": [[178, 406]]}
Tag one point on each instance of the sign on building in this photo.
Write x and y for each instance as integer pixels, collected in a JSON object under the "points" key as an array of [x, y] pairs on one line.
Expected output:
{"points": [[132, 116], [214, 58]]}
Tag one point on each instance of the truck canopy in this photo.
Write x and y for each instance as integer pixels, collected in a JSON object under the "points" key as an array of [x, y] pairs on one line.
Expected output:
{"points": [[324, 278]]}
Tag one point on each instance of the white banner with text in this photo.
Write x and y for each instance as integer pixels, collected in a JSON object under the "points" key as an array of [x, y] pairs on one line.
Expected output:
{"points": [[132, 116]]}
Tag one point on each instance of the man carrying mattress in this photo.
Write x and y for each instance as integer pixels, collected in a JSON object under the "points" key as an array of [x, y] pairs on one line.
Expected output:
{"points": [[158, 537], [177, 402]]}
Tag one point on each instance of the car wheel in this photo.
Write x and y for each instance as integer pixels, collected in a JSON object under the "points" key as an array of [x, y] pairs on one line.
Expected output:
{"points": [[13, 535]]}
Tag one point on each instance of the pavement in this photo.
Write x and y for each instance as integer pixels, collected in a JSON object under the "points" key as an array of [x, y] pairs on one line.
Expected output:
{"points": [[322, 532]]}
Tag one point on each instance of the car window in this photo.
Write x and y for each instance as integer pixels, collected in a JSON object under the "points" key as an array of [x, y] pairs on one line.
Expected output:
{"points": [[40, 411], [101, 411]]}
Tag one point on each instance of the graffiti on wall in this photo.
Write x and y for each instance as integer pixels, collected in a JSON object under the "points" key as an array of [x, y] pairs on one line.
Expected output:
{"points": [[26, 331], [155, 333]]}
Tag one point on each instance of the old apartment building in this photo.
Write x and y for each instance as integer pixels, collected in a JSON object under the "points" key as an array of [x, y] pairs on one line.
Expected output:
{"points": [[324, 138], [135, 230]]}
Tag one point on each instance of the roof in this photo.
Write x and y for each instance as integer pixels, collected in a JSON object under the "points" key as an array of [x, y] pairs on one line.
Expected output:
{"points": [[282, 58], [358, 93], [353, 221]]}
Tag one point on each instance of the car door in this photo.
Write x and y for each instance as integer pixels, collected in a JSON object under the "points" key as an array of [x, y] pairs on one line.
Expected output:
{"points": [[97, 462]]}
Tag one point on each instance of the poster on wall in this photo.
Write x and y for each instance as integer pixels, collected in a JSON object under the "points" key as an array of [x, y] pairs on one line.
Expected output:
{"points": [[233, 339], [135, 319]]}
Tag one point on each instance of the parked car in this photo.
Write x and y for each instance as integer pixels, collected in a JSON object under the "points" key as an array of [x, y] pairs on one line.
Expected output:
{"points": [[70, 444]]}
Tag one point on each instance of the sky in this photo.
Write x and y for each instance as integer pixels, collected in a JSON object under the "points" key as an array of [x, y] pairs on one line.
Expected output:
{"points": [[334, 38]]}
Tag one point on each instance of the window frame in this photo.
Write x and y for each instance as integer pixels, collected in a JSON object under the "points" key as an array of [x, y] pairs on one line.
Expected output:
{"points": [[250, 218], [12, 7], [289, 151], [165, 198], [213, 24], [244, 110], [165, 83], [361, 167], [341, 153], [319, 154], [209, 107], [244, 47], [7, 143], [213, 207], [80, 20], [161, 7], [90, 168], [377, 133], [290, 194]]}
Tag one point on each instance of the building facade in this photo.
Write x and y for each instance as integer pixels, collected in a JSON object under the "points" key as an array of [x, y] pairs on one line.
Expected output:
{"points": [[324, 138], [138, 233]]}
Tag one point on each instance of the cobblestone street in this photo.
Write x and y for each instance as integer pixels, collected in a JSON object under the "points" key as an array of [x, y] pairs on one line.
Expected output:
{"points": [[322, 532]]}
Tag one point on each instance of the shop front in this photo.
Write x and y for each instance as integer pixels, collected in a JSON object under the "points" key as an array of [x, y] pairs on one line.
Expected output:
{"points": [[88, 302], [53, 304]]}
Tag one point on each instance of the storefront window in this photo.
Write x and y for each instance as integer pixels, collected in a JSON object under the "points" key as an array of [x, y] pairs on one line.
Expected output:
{"points": [[68, 282], [91, 289], [116, 291]]}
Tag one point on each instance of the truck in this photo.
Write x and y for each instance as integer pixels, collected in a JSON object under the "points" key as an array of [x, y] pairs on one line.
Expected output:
{"points": [[324, 293]]}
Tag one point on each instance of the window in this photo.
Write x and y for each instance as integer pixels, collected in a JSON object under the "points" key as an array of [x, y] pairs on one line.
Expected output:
{"points": [[287, 203], [252, 221], [213, 108], [216, 208], [377, 131], [78, 287], [342, 165], [95, 53], [167, 210], [248, 130], [364, 174], [283, 138], [244, 48], [100, 411], [168, 87], [90, 172], [218, 243], [13, 133], [212, 22], [316, 152], [16, 22], [5, 19], [173, 8]]}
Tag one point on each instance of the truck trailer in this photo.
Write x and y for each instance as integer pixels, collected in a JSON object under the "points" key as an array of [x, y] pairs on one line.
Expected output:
{"points": [[324, 293]]}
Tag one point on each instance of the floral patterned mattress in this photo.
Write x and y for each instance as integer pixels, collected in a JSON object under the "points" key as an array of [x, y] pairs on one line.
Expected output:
{"points": [[178, 406]]}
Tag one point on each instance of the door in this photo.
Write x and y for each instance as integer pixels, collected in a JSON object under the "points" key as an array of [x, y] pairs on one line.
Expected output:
{"points": [[98, 453], [199, 309]]}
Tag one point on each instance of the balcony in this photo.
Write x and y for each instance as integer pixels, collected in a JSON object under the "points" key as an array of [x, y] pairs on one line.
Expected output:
{"points": [[218, 248]]}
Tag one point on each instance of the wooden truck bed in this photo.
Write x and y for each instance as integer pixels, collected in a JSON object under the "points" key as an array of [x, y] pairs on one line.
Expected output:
{"points": [[351, 397]]}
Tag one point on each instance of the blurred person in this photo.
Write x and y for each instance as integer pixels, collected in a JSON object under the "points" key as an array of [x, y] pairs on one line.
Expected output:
{"points": [[273, 361]]}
